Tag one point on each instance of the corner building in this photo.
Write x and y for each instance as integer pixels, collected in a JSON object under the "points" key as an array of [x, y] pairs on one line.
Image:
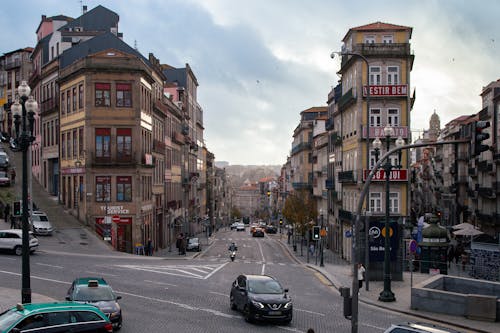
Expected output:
{"points": [[358, 115]]}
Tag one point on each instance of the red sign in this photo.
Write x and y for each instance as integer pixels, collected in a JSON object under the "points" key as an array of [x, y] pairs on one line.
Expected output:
{"points": [[397, 175], [382, 91], [116, 219], [378, 132]]}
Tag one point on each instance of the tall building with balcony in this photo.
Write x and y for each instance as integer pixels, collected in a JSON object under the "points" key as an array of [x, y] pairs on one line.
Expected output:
{"points": [[359, 116]]}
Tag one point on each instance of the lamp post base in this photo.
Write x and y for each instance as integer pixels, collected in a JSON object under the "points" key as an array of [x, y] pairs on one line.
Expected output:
{"points": [[386, 296], [26, 295]]}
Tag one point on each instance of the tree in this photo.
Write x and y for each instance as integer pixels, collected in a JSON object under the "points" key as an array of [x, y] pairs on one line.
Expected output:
{"points": [[235, 213], [300, 209]]}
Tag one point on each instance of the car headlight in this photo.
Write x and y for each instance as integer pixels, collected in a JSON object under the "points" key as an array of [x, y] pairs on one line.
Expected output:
{"points": [[258, 304], [288, 305], [114, 314]]}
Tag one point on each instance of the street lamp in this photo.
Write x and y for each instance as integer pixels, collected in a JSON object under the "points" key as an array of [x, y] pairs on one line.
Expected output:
{"points": [[24, 109], [387, 295], [321, 241]]}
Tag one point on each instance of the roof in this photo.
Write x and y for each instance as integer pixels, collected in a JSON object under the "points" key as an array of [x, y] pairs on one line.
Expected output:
{"points": [[176, 75], [38, 307], [85, 280], [379, 26], [316, 109], [258, 277], [97, 44], [97, 19], [25, 49]]}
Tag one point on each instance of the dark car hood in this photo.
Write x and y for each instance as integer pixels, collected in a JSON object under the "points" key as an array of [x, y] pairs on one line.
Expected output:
{"points": [[269, 298], [106, 306]]}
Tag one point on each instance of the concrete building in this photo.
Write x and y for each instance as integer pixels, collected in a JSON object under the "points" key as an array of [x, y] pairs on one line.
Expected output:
{"points": [[386, 48]]}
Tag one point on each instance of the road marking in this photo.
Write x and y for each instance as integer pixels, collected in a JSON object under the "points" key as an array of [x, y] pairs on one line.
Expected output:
{"points": [[373, 326], [100, 273], [311, 312], [217, 293], [161, 283], [37, 277], [55, 266], [263, 269], [192, 271]]}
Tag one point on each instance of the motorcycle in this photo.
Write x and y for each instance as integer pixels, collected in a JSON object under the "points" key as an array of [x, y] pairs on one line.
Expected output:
{"points": [[232, 255]]}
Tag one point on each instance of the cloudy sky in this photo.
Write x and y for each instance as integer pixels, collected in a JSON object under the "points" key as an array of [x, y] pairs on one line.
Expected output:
{"points": [[260, 63]]}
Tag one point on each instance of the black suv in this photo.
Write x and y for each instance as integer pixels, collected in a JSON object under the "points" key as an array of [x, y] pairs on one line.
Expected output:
{"points": [[261, 297]]}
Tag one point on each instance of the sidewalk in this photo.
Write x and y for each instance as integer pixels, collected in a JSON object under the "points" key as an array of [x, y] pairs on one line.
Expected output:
{"points": [[339, 273]]}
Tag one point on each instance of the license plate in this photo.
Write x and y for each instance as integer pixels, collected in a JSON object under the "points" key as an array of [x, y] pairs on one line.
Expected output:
{"points": [[274, 313]]}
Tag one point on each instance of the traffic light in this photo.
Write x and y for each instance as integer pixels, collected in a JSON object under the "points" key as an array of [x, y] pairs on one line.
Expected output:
{"points": [[281, 221], [316, 229], [268, 194], [17, 208], [479, 136]]}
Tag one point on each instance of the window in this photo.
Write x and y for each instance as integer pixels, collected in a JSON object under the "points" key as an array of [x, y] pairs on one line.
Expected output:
{"points": [[393, 117], [63, 109], [394, 159], [375, 202], [80, 96], [123, 95], [123, 143], [103, 189], [392, 75], [387, 39], [123, 188], [74, 99], [63, 145], [394, 202], [375, 118], [75, 144], [80, 141], [369, 39], [102, 142], [374, 75], [68, 101], [373, 159], [102, 94]]}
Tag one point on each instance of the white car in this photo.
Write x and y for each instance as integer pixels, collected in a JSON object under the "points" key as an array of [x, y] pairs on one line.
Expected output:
{"points": [[40, 223], [12, 239], [240, 227], [418, 328]]}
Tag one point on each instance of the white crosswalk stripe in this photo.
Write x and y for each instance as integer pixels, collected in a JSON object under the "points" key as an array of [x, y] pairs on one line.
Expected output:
{"points": [[193, 271]]}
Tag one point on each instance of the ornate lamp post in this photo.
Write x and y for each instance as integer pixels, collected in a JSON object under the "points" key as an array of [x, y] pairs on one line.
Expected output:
{"points": [[387, 295], [24, 109], [321, 241]]}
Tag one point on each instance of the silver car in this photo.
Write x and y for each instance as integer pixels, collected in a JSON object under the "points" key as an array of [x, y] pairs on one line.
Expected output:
{"points": [[41, 224]]}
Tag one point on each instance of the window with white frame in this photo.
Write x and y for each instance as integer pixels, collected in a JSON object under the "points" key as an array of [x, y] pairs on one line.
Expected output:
{"points": [[394, 159], [392, 75], [387, 39], [369, 39], [375, 75], [373, 158], [375, 118], [393, 117], [394, 202], [375, 202]]}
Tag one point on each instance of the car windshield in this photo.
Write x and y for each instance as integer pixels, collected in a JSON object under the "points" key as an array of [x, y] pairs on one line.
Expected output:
{"points": [[41, 218], [94, 294], [264, 287], [8, 318], [193, 240]]}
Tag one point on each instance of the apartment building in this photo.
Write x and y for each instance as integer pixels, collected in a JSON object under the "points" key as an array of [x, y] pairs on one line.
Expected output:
{"points": [[377, 53]]}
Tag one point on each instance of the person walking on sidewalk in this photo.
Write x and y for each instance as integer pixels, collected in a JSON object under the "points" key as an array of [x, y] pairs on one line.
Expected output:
{"points": [[13, 175], [361, 275], [6, 213], [12, 222]]}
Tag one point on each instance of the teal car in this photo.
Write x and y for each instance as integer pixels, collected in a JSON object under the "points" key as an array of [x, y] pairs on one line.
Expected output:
{"points": [[55, 317], [96, 291]]}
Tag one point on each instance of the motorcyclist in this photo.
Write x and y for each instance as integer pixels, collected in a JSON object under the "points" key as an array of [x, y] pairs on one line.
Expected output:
{"points": [[233, 247]]}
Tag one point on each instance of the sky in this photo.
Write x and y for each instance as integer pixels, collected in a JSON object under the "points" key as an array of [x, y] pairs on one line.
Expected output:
{"points": [[260, 63]]}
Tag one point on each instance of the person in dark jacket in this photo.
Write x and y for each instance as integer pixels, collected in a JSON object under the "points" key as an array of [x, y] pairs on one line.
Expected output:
{"points": [[6, 212], [149, 247]]}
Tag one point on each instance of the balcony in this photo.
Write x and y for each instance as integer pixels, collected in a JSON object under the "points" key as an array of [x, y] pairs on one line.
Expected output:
{"points": [[472, 172], [178, 138], [345, 215], [336, 138], [12, 64], [330, 183], [114, 161], [347, 176], [301, 186], [347, 99], [487, 192], [158, 146], [329, 124], [336, 196], [484, 166], [300, 147], [50, 104]]}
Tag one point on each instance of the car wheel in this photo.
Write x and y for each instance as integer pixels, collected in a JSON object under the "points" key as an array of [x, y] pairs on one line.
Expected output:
{"points": [[18, 250], [247, 314], [232, 305]]}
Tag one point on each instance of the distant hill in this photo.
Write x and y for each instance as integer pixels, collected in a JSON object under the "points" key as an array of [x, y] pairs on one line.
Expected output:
{"points": [[239, 173]]}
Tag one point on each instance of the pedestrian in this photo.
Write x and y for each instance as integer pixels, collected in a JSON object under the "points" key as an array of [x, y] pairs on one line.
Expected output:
{"points": [[361, 275], [450, 254], [13, 175], [178, 243], [310, 330], [183, 245], [149, 247], [12, 222], [6, 212], [311, 249]]}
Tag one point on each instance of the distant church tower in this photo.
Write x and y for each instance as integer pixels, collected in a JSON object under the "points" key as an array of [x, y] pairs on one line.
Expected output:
{"points": [[434, 127]]}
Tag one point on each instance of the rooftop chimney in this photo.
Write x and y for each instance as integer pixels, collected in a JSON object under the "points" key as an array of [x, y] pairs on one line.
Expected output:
{"points": [[84, 9]]}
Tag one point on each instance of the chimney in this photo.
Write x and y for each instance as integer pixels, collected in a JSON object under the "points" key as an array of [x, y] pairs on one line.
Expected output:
{"points": [[84, 9], [44, 17]]}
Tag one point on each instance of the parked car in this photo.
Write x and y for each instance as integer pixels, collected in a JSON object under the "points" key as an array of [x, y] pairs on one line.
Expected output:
{"points": [[11, 239], [193, 244], [261, 297], [4, 137], [98, 292], [40, 223], [233, 225], [14, 144], [4, 161], [419, 328], [271, 229], [4, 179], [54, 317]]}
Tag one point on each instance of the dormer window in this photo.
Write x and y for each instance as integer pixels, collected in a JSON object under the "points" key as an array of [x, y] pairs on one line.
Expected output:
{"points": [[369, 39]]}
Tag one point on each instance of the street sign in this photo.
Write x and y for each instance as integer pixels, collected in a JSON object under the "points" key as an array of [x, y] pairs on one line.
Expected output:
{"points": [[413, 246], [116, 219], [107, 219]]}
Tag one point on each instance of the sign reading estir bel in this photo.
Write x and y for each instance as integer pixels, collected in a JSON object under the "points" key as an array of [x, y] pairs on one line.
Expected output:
{"points": [[395, 175], [386, 90]]}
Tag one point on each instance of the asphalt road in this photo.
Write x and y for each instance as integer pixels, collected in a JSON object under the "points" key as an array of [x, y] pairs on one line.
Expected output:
{"points": [[161, 295]]}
